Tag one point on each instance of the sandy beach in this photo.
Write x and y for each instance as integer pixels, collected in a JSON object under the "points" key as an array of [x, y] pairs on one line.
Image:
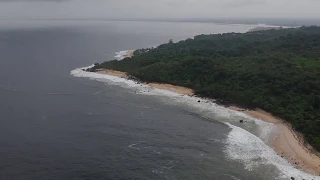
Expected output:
{"points": [[130, 53], [286, 143], [177, 89], [112, 73]]}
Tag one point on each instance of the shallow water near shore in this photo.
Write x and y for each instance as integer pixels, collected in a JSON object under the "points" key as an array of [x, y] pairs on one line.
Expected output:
{"points": [[54, 125], [246, 143]]}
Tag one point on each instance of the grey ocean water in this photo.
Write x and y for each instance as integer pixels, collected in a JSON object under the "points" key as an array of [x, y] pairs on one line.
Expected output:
{"points": [[57, 126]]}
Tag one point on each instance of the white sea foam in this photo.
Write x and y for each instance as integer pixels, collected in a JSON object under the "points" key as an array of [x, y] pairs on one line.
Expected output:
{"points": [[248, 147], [252, 151], [79, 72], [122, 54], [132, 146]]}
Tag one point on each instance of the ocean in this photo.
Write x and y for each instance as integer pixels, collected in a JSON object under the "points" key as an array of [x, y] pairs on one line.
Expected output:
{"points": [[58, 122]]}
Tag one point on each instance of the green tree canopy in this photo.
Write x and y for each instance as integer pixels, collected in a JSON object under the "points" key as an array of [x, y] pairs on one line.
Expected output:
{"points": [[275, 70]]}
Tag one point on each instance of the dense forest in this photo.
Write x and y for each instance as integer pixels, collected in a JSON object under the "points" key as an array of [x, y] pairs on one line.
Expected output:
{"points": [[275, 70]]}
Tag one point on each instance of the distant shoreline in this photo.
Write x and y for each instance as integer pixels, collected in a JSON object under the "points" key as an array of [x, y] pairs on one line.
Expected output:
{"points": [[129, 53], [287, 143], [263, 29]]}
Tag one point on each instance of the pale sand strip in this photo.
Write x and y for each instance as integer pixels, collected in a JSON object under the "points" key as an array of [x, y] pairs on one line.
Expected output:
{"points": [[112, 73], [287, 143], [130, 53], [177, 89]]}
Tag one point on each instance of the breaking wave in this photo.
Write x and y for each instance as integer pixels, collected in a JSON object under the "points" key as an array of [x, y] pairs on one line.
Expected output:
{"points": [[250, 148], [122, 54]]}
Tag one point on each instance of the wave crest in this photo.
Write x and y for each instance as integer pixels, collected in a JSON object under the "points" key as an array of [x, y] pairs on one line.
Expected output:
{"points": [[241, 145]]}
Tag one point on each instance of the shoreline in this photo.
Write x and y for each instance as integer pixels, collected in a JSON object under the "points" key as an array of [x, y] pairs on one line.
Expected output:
{"points": [[287, 143], [129, 54], [124, 54], [176, 89]]}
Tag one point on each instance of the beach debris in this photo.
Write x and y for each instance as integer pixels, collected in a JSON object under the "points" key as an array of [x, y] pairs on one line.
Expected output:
{"points": [[199, 101], [241, 121], [292, 178]]}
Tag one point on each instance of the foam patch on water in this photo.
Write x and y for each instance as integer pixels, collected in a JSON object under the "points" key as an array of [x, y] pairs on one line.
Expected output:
{"points": [[212, 109], [122, 54], [252, 151], [79, 72], [241, 145], [204, 107]]}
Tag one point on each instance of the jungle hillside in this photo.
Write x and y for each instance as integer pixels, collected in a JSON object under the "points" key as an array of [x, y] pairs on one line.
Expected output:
{"points": [[275, 70]]}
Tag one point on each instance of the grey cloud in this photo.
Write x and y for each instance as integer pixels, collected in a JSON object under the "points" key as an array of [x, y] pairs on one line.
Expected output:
{"points": [[33, 0], [244, 2], [157, 8]]}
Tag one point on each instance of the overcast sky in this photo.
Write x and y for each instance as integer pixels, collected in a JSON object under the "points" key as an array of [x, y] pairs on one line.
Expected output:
{"points": [[159, 8]]}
